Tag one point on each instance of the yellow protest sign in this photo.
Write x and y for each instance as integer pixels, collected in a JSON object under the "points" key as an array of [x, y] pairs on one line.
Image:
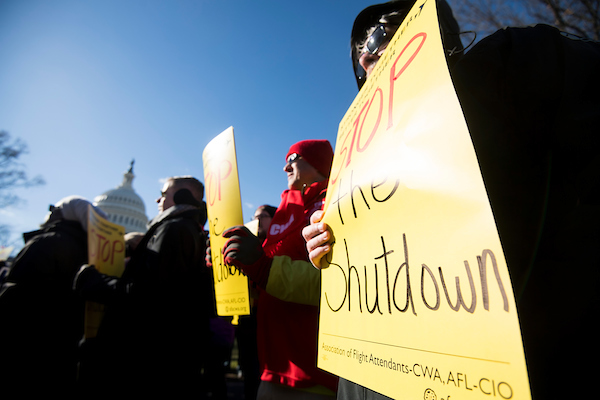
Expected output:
{"points": [[416, 301], [224, 206], [252, 226], [5, 252], [106, 252]]}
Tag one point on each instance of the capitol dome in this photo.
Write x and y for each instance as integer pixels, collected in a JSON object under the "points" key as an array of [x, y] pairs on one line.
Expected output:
{"points": [[124, 206]]}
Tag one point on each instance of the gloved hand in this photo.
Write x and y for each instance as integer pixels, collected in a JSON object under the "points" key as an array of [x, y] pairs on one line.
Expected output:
{"points": [[244, 251], [95, 286]]}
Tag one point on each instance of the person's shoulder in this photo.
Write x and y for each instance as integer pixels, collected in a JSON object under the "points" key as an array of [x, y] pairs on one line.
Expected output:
{"points": [[179, 224], [527, 62], [529, 45], [59, 233]]}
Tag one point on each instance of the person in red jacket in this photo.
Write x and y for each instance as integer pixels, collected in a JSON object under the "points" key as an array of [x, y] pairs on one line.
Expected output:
{"points": [[288, 302]]}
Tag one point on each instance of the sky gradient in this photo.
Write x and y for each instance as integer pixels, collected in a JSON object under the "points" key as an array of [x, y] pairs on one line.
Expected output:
{"points": [[91, 85]]}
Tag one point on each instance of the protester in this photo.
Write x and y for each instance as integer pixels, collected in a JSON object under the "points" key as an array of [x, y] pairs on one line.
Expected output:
{"points": [[264, 215], [153, 337], [41, 318], [288, 313], [530, 99], [246, 329]]}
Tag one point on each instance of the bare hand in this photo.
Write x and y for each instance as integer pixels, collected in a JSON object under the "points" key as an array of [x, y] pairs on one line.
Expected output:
{"points": [[317, 237], [208, 255]]}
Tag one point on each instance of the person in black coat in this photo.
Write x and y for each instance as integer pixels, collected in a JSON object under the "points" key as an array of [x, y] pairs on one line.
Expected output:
{"points": [[530, 99], [154, 334], [41, 318]]}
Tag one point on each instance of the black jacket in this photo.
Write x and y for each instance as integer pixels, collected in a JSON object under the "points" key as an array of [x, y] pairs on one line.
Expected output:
{"points": [[41, 318], [156, 321], [531, 101]]}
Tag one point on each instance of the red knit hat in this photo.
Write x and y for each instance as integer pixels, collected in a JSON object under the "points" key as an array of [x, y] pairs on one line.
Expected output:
{"points": [[317, 153]]}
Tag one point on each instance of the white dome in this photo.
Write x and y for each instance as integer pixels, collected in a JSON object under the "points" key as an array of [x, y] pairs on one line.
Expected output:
{"points": [[123, 205]]}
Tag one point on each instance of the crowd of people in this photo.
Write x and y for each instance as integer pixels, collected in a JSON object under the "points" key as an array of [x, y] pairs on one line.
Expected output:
{"points": [[156, 326], [529, 97]]}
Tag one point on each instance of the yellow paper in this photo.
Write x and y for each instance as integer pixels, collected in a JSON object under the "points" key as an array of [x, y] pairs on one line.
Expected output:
{"points": [[5, 252], [106, 252], [417, 300], [252, 226], [224, 211]]}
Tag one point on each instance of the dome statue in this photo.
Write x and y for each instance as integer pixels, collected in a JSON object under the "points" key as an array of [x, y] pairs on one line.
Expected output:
{"points": [[123, 205]]}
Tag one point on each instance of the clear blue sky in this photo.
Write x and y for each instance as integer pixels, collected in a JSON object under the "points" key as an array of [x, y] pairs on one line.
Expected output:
{"points": [[91, 85]]}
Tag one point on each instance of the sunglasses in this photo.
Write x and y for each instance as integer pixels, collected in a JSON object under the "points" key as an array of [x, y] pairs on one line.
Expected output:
{"points": [[293, 157], [374, 42], [372, 45]]}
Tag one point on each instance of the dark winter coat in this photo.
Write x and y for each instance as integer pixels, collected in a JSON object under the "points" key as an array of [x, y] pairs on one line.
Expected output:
{"points": [[155, 328], [531, 101], [41, 318]]}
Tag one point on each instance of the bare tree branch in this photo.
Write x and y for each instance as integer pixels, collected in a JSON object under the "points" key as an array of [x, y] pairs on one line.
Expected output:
{"points": [[578, 17], [12, 173]]}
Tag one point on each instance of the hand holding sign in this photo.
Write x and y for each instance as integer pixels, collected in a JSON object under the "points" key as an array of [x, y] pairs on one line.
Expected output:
{"points": [[244, 250], [317, 236], [415, 291], [106, 252]]}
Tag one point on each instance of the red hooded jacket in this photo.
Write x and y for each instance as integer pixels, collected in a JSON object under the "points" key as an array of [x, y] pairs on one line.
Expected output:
{"points": [[287, 331]]}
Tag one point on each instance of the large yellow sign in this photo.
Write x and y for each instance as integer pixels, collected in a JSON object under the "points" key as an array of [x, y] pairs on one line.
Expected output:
{"points": [[224, 211], [417, 300], [106, 252]]}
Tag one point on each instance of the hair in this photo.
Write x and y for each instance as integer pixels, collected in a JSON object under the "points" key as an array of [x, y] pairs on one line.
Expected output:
{"points": [[269, 209], [393, 18], [189, 182]]}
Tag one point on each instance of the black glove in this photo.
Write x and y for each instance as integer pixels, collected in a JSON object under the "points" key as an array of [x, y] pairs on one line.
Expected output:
{"points": [[244, 251], [90, 284]]}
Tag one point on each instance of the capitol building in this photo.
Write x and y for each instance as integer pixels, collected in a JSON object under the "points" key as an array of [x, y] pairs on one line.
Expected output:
{"points": [[123, 205]]}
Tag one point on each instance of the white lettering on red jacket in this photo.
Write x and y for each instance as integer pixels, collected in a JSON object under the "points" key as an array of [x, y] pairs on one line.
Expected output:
{"points": [[276, 229]]}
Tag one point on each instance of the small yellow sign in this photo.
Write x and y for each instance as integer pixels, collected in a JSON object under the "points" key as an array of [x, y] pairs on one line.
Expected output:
{"points": [[416, 301], [5, 252], [252, 226], [224, 205], [106, 252]]}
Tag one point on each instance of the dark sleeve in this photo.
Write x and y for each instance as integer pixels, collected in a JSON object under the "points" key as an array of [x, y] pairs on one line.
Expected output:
{"points": [[173, 249], [530, 99], [49, 260], [180, 280]]}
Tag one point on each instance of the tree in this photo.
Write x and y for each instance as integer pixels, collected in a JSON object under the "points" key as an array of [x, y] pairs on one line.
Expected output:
{"points": [[12, 174], [577, 17]]}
